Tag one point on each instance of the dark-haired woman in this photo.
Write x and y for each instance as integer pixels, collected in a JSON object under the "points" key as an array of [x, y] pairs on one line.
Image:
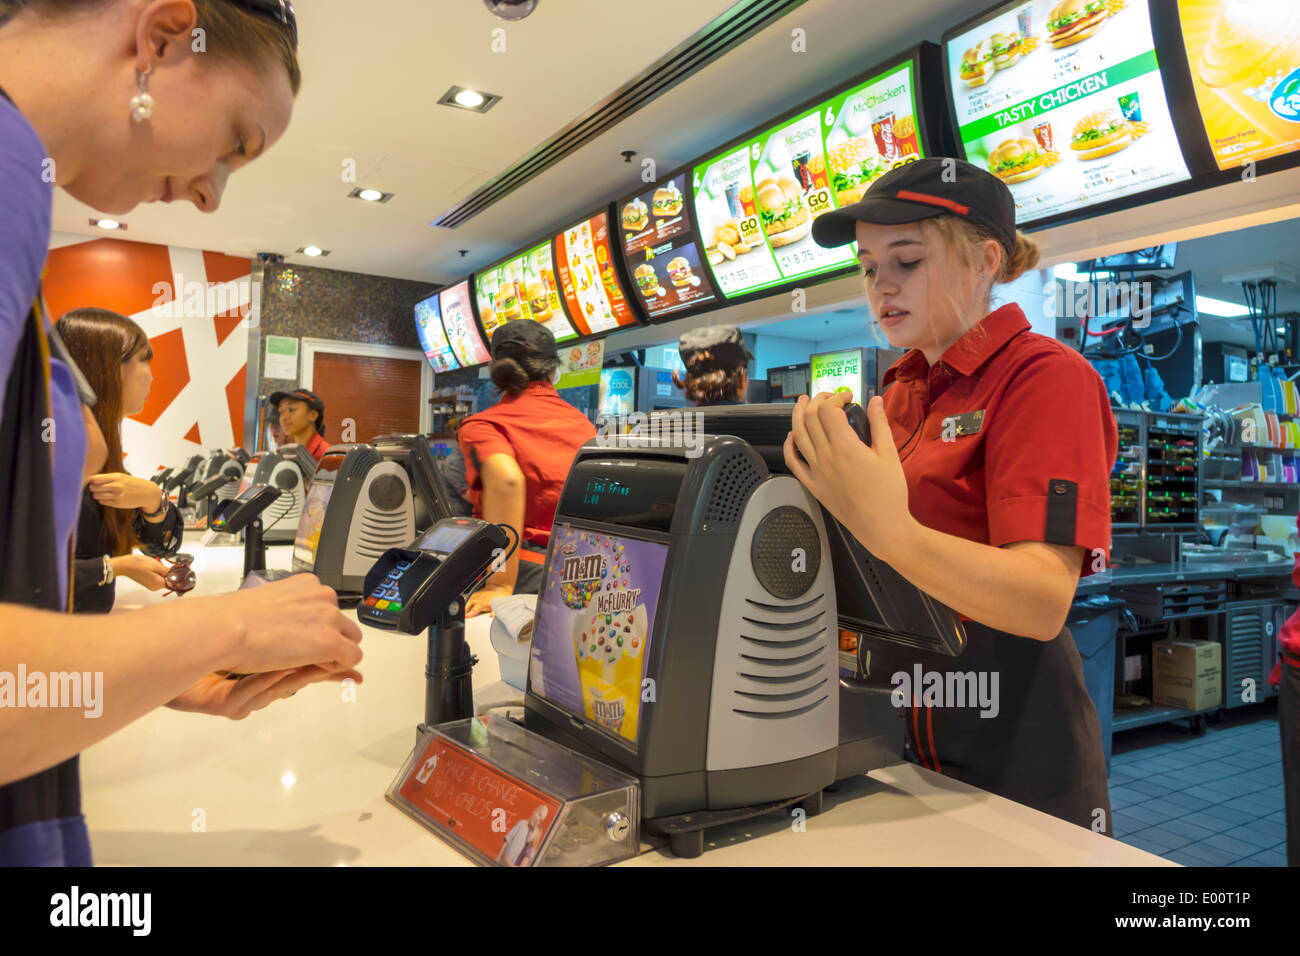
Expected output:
{"points": [[119, 512], [518, 453], [716, 365]]}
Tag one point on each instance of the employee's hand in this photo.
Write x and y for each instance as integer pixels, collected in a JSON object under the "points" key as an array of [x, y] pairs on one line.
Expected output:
{"points": [[289, 624], [145, 571], [221, 697], [115, 490], [862, 486], [480, 602]]}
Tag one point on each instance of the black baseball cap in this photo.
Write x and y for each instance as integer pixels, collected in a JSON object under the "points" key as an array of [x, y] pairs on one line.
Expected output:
{"points": [[922, 190], [523, 337], [724, 341], [311, 399]]}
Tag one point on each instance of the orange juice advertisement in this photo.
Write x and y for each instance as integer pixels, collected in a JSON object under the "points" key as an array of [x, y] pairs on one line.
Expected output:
{"points": [[595, 619], [1245, 61]]}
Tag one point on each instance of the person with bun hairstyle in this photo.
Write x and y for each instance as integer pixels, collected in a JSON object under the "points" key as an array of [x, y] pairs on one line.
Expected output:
{"points": [[986, 484], [119, 512], [716, 361], [518, 454], [109, 100]]}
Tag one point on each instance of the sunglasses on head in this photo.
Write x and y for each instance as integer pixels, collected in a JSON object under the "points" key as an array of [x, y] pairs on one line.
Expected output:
{"points": [[278, 10]]}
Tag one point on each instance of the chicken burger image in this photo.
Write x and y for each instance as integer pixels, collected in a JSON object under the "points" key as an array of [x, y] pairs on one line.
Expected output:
{"points": [[507, 304], [977, 64], [854, 166], [1006, 49], [1100, 134], [679, 270], [1073, 20], [667, 200], [646, 280], [635, 216], [780, 206], [1016, 160], [537, 301]]}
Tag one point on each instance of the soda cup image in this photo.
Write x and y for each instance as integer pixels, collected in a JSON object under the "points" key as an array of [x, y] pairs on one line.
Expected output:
{"points": [[883, 130], [1023, 20], [608, 647], [1043, 133], [1251, 60], [1131, 106]]}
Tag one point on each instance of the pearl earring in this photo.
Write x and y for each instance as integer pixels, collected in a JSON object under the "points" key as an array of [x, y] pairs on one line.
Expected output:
{"points": [[142, 102]]}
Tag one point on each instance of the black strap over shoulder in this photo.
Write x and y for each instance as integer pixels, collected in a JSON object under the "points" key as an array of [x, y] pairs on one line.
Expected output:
{"points": [[1062, 511]]}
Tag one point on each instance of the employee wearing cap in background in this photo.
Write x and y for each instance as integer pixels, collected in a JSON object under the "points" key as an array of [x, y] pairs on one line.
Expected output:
{"points": [[986, 483], [716, 365], [302, 416], [518, 453]]}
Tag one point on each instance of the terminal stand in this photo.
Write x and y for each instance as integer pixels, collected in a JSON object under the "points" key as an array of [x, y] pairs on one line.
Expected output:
{"points": [[449, 688]]}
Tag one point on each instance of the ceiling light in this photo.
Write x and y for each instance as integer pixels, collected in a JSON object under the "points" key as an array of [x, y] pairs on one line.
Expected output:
{"points": [[314, 251], [370, 195], [1226, 310], [511, 9], [464, 98], [108, 224], [1070, 272]]}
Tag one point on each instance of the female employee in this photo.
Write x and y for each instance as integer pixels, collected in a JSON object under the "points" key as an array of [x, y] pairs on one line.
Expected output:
{"points": [[89, 126], [518, 453], [715, 358], [118, 511], [985, 484]]}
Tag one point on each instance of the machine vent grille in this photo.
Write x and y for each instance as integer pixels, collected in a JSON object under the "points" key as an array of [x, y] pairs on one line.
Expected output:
{"points": [[780, 671], [712, 41], [1245, 646], [735, 479], [380, 531]]}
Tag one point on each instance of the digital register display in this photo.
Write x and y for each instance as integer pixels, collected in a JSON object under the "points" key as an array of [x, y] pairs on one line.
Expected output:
{"points": [[1063, 102], [832, 371], [1245, 61], [524, 287], [458, 321], [661, 251], [444, 540], [755, 203], [433, 338], [313, 517], [592, 292], [595, 621]]}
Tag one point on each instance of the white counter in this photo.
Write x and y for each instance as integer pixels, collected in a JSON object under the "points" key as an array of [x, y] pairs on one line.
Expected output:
{"points": [[302, 783]]}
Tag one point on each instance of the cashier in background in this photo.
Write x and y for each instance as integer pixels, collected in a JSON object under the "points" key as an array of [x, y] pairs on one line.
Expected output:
{"points": [[518, 453], [716, 363], [302, 418], [985, 484]]}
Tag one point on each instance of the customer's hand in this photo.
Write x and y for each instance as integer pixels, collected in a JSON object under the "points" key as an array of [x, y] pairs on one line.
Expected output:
{"points": [[116, 490], [145, 571], [480, 602], [289, 624], [222, 697]]}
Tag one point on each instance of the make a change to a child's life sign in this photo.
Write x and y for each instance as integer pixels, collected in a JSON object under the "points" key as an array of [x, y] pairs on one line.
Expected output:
{"points": [[596, 619], [580, 364]]}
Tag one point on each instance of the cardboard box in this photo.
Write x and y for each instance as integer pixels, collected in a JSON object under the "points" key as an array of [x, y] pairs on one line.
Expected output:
{"points": [[1187, 674]]}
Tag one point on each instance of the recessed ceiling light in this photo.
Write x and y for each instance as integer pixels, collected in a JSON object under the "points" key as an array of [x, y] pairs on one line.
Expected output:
{"points": [[1225, 310], [370, 195], [314, 251], [462, 97], [108, 224]]}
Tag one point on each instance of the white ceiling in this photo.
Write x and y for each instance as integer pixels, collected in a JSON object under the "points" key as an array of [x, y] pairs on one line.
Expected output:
{"points": [[371, 79]]}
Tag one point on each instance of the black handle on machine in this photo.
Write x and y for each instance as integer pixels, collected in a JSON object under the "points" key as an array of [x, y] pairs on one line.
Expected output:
{"points": [[857, 417], [244, 513]]}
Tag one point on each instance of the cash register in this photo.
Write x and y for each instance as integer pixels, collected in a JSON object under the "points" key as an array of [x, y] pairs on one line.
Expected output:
{"points": [[364, 500], [219, 480], [289, 469]]}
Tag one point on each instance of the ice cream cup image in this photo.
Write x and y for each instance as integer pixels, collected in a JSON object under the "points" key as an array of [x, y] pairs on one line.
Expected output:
{"points": [[1251, 58], [608, 647]]}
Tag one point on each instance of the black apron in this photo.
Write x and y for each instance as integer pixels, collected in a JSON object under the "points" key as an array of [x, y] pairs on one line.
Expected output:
{"points": [[1043, 748]]}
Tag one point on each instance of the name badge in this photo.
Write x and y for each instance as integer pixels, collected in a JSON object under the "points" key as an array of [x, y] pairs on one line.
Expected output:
{"points": [[960, 426]]}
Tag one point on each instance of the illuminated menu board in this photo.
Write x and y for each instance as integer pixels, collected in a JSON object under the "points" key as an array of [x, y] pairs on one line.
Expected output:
{"points": [[1063, 101], [433, 339], [1245, 62], [833, 371], [661, 250], [523, 287], [755, 203], [591, 289], [458, 322]]}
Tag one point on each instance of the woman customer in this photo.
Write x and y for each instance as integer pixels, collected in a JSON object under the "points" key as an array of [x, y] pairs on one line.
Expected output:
{"points": [[119, 512]]}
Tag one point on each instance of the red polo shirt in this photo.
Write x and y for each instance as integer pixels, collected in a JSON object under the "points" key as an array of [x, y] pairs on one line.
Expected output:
{"points": [[317, 447], [1035, 467], [539, 430]]}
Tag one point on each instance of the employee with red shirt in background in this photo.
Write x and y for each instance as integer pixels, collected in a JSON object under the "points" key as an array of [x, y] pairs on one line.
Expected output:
{"points": [[986, 483], [518, 453], [302, 416], [1287, 674]]}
